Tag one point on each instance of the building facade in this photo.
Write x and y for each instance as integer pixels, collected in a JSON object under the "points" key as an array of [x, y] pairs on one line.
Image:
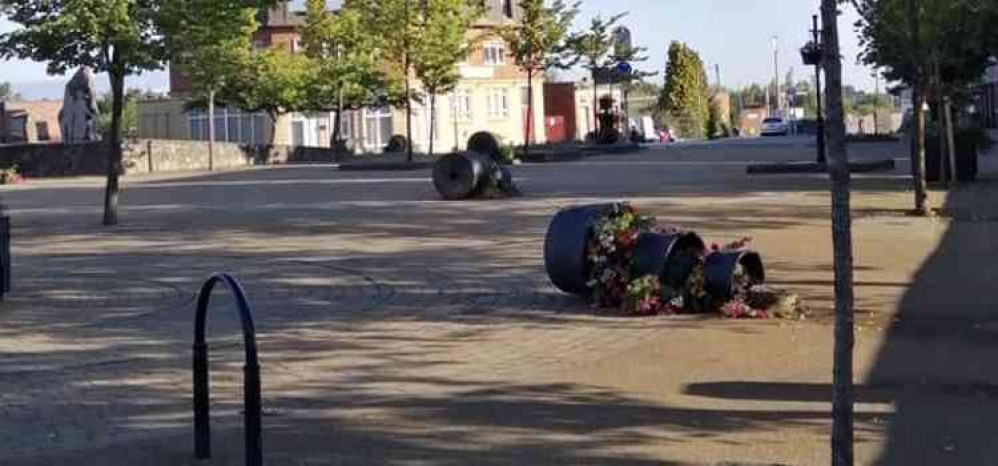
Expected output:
{"points": [[30, 122], [491, 96]]}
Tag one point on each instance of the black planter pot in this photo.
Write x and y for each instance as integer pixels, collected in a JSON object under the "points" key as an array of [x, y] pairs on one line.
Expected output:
{"points": [[565, 247], [719, 272], [484, 142], [657, 254], [461, 176], [967, 150]]}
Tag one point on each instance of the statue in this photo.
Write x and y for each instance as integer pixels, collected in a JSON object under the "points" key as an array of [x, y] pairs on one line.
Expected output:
{"points": [[78, 117]]}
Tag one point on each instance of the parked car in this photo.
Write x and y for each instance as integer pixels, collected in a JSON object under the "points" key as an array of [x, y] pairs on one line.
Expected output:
{"points": [[774, 126]]}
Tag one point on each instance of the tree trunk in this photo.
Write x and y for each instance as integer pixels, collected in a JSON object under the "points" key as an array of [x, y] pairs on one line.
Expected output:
{"points": [[408, 88], [842, 371], [337, 128], [433, 120], [528, 126], [918, 98], [950, 139], [595, 108], [114, 149], [211, 130]]}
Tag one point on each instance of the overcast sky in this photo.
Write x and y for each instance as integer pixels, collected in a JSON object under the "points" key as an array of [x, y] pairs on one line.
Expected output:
{"points": [[735, 34]]}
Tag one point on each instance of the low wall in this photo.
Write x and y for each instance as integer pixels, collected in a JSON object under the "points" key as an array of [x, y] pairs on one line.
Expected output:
{"points": [[159, 155], [53, 160], [152, 156]]}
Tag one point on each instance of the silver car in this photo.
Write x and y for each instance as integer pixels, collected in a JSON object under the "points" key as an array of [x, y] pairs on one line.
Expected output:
{"points": [[774, 126]]}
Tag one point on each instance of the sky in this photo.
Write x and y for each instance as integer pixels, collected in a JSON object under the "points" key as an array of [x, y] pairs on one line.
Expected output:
{"points": [[737, 35]]}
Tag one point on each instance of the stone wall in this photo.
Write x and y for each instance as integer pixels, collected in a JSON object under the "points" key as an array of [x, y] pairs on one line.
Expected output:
{"points": [[53, 160], [158, 155], [152, 156]]}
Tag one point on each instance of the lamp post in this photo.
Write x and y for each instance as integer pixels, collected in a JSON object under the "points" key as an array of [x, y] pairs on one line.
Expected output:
{"points": [[813, 54], [778, 104]]}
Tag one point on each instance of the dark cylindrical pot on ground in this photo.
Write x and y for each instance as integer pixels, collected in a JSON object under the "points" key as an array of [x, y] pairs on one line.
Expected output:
{"points": [[461, 176], [565, 247], [484, 142], [967, 150], [662, 255], [719, 272]]}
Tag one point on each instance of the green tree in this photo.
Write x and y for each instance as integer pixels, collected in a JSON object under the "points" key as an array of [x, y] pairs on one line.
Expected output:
{"points": [[275, 83], [344, 59], [539, 43], [715, 124], [7, 92], [442, 44], [394, 25], [210, 42], [934, 46], [685, 97], [119, 37], [593, 49], [129, 114]]}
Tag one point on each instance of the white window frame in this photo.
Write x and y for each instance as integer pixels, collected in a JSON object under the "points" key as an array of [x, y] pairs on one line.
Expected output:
{"points": [[460, 105], [498, 103], [494, 53], [223, 130]]}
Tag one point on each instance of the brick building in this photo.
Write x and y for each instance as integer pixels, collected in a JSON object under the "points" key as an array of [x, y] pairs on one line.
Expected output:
{"points": [[30, 122], [491, 96]]}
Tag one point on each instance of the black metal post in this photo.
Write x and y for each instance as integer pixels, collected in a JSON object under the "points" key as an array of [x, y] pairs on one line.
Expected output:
{"points": [[251, 375], [5, 260], [817, 92]]}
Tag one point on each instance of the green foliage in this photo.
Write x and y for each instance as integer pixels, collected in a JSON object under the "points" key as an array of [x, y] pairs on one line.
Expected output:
{"points": [[540, 41], [275, 83], [715, 123], [344, 58], [958, 35], [7, 93], [441, 46], [209, 41], [592, 48], [685, 98], [129, 114], [116, 36], [443, 43]]}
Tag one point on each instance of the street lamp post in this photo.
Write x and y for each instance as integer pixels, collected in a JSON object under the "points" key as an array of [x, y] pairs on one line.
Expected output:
{"points": [[813, 54]]}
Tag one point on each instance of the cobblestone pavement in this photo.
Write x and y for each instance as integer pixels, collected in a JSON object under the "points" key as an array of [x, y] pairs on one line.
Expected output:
{"points": [[397, 328]]}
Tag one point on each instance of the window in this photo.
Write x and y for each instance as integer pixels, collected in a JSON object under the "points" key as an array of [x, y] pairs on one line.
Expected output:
{"points": [[230, 126], [498, 103], [42, 130], [495, 53], [507, 8], [460, 105], [377, 127]]}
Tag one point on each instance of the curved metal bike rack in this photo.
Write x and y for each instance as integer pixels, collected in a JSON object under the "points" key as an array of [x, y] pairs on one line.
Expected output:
{"points": [[251, 375]]}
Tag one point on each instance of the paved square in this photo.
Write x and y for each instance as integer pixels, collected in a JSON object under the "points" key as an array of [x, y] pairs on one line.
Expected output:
{"points": [[398, 328]]}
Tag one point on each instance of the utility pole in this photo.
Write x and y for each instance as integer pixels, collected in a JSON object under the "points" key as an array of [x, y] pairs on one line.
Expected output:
{"points": [[822, 159], [876, 101], [778, 104]]}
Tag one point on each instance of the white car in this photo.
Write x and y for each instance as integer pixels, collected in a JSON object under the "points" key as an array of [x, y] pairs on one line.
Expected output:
{"points": [[774, 127]]}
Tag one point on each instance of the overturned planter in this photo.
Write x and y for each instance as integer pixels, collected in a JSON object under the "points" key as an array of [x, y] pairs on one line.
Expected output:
{"points": [[672, 257], [719, 270], [565, 247], [471, 174]]}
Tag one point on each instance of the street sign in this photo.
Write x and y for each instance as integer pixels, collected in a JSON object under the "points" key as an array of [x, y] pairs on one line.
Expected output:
{"points": [[622, 41], [624, 68]]}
